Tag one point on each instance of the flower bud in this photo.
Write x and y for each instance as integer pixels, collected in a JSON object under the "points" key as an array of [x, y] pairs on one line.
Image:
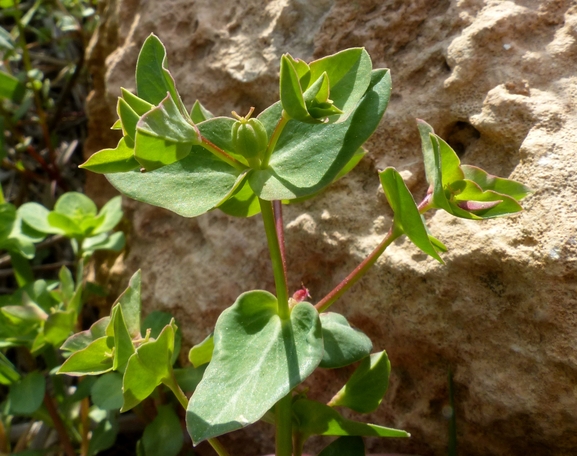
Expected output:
{"points": [[249, 137]]}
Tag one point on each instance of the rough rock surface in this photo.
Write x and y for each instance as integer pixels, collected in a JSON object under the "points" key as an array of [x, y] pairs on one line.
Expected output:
{"points": [[498, 80]]}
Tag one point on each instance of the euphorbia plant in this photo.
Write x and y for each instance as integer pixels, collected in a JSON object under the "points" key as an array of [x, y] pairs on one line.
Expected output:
{"points": [[265, 345]]}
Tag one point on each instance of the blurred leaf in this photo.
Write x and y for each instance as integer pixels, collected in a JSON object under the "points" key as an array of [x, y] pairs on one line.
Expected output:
{"points": [[148, 368], [365, 389], [343, 345], [36, 216], [202, 353], [349, 446], [11, 88], [258, 359], [104, 436], [103, 241], [75, 205], [314, 418], [27, 395], [106, 392], [164, 435], [189, 377], [8, 373], [407, 218], [112, 212], [58, 326], [66, 284]]}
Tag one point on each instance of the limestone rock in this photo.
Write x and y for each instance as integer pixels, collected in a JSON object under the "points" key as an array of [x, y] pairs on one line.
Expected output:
{"points": [[498, 80]]}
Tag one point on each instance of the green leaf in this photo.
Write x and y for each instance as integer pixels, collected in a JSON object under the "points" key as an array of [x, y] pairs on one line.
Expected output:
{"points": [[128, 118], [83, 339], [189, 187], [107, 391], [95, 359], [164, 435], [112, 212], [26, 395], [365, 389], [469, 196], [153, 80], [123, 347], [58, 326], [164, 136], [407, 218], [349, 73], [76, 206], [36, 216], [202, 353], [343, 345], [487, 181], [65, 225], [11, 88], [103, 241], [291, 93], [242, 203], [308, 157], [130, 303], [118, 160], [8, 373], [104, 436], [189, 377], [138, 105], [258, 359], [314, 418], [199, 113], [150, 366], [66, 284], [349, 446], [155, 322]]}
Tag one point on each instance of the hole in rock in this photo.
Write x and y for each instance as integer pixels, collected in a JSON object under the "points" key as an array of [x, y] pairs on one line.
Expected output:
{"points": [[460, 136]]}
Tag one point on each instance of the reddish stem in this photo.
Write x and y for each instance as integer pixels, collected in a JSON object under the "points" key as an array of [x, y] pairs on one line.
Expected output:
{"points": [[59, 426], [277, 209]]}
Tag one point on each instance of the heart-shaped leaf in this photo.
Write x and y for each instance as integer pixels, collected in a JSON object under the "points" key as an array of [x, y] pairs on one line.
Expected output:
{"points": [[314, 418], [83, 339], [365, 389], [487, 181], [343, 345], [258, 358], [123, 347]]}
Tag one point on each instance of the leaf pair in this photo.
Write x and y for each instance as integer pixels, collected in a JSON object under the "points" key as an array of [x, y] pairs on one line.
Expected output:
{"points": [[76, 217], [462, 190], [17, 237], [326, 88], [115, 344]]}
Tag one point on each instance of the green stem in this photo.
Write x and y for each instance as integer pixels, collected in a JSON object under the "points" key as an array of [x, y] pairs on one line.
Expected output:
{"points": [[283, 423], [283, 412], [175, 388], [221, 154], [359, 271], [273, 139], [276, 258]]}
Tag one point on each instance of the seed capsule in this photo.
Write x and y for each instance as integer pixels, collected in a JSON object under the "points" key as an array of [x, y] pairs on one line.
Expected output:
{"points": [[249, 137]]}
